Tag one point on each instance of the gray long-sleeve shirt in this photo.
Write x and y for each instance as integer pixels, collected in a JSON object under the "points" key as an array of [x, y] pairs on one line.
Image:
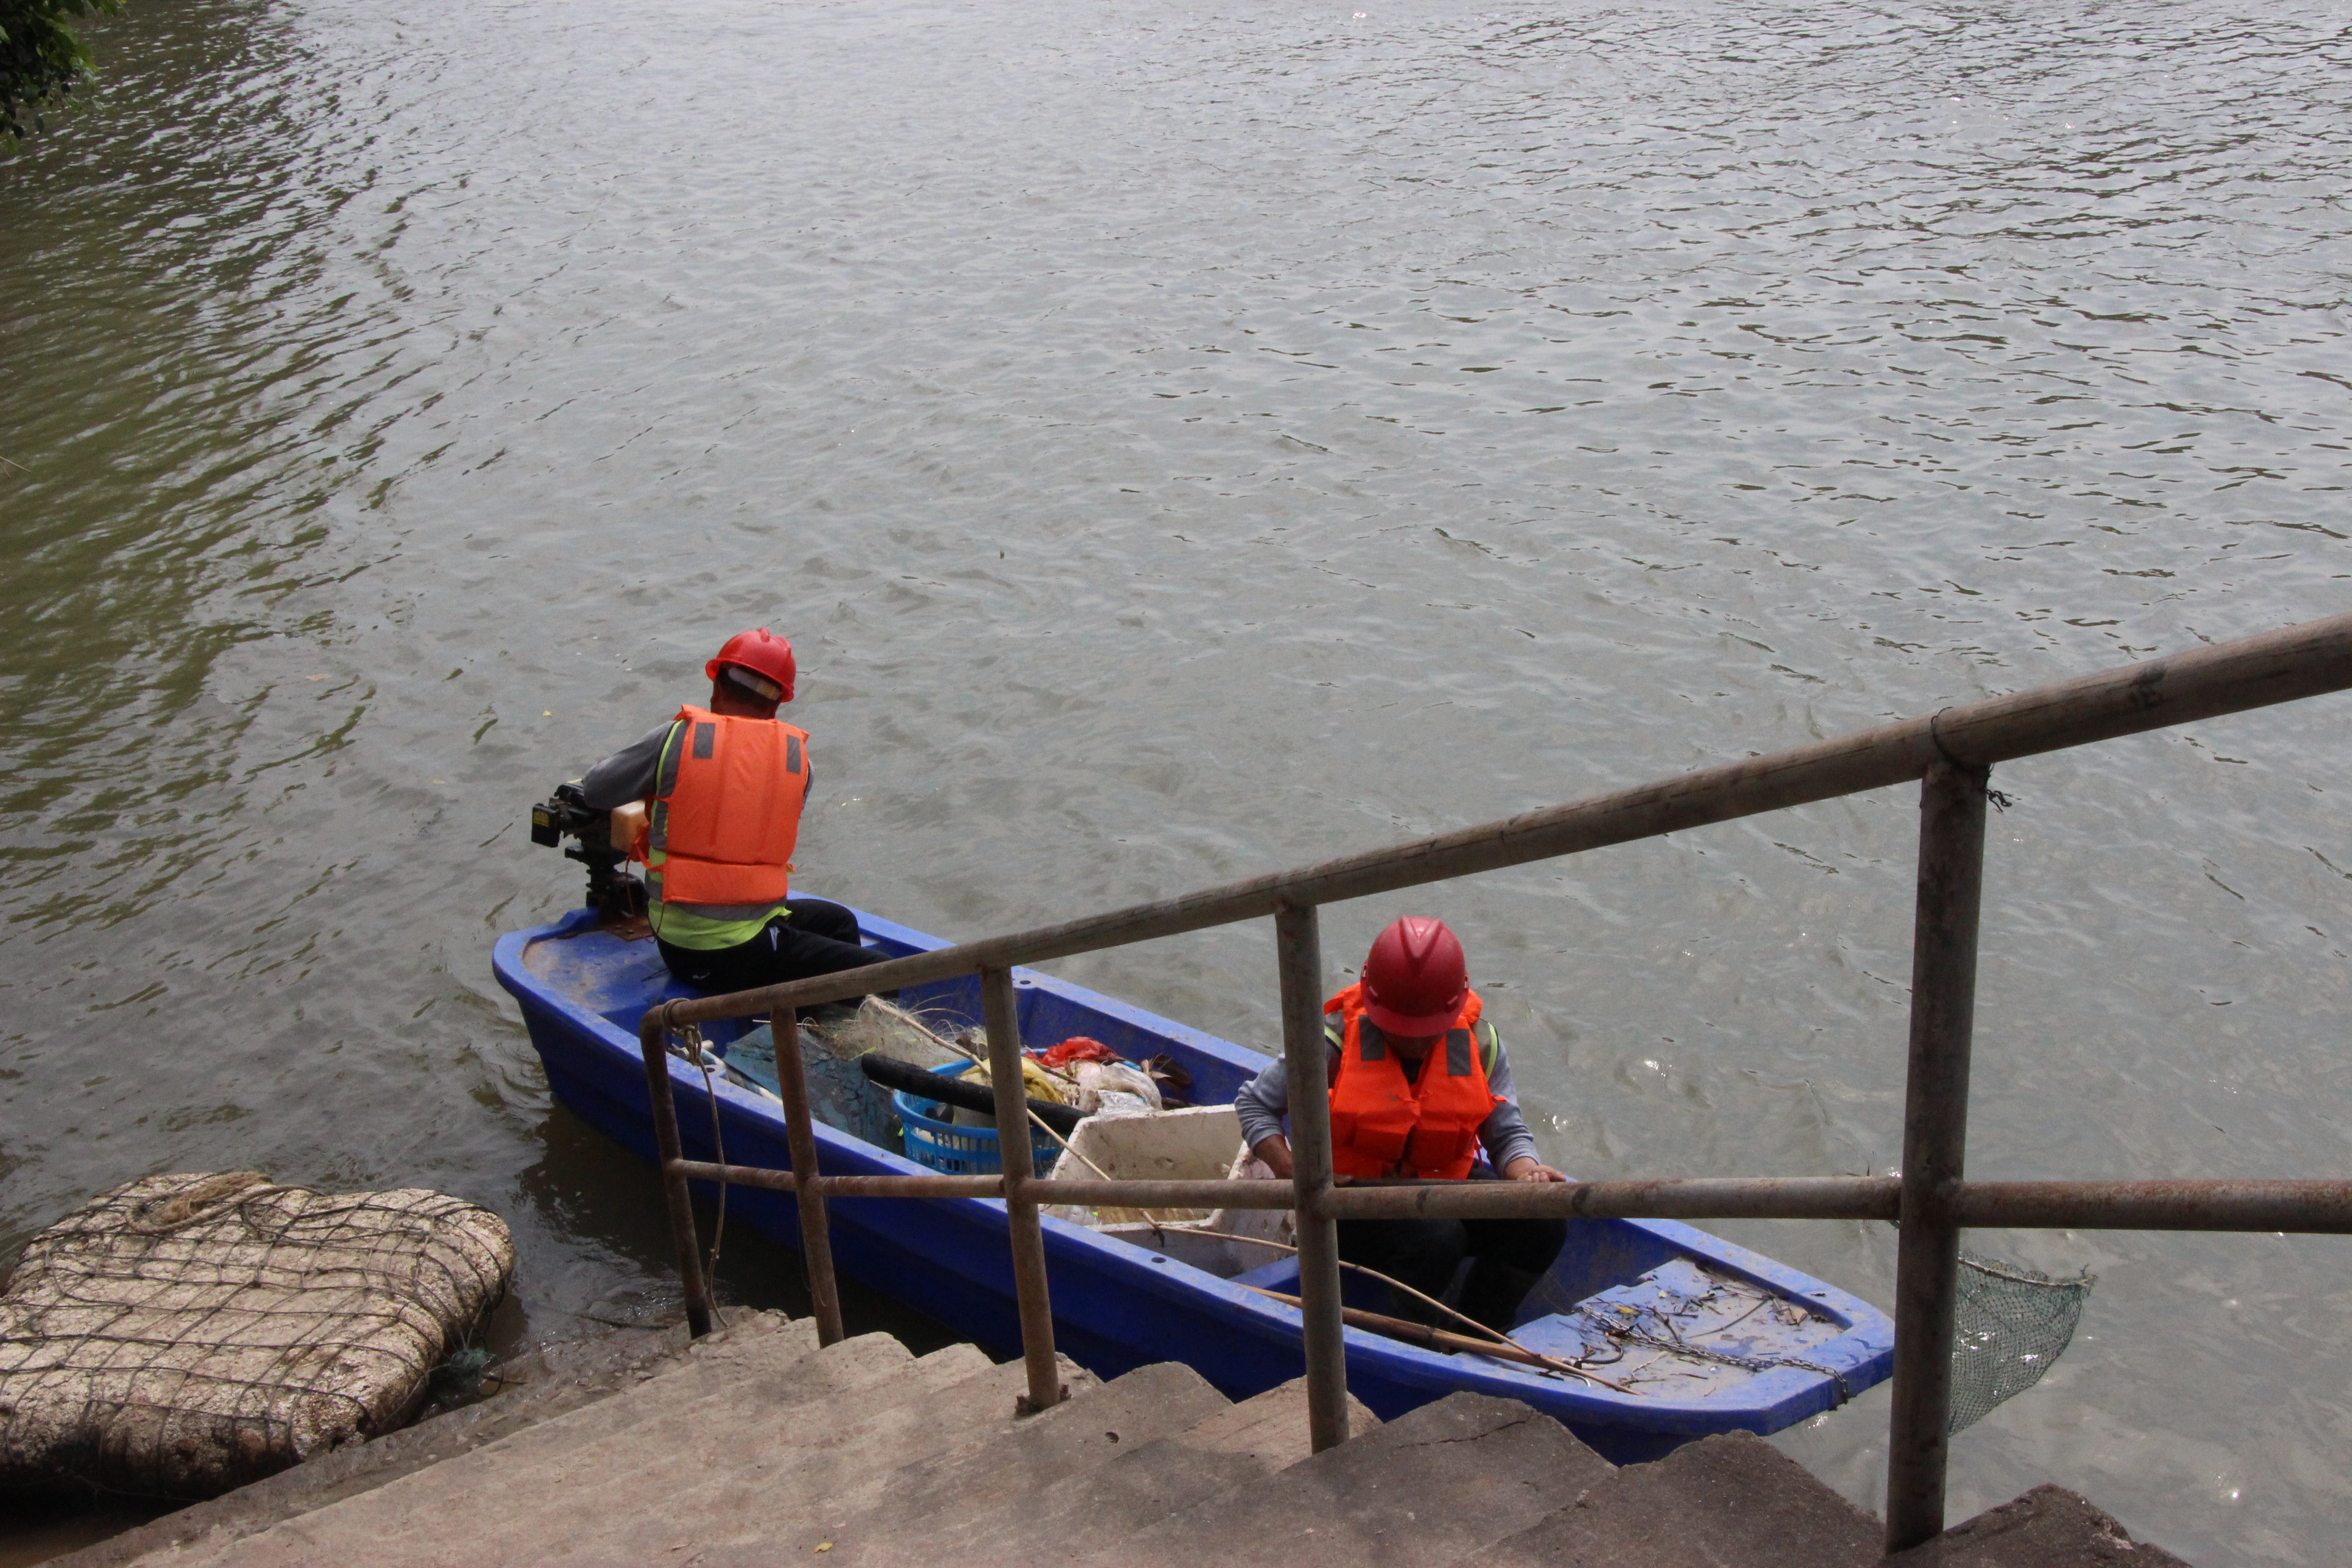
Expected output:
{"points": [[628, 773], [1265, 1101]]}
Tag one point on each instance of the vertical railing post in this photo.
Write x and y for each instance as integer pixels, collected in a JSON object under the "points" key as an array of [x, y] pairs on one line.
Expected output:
{"points": [[1002, 1012], [652, 1043], [1935, 1143], [800, 1134], [1299, 956]]}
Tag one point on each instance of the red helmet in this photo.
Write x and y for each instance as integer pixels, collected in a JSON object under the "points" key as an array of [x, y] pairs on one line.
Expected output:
{"points": [[763, 653], [1416, 979]]}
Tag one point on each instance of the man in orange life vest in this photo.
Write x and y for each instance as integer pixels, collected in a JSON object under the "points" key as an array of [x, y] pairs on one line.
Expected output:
{"points": [[724, 786], [1419, 1086]]}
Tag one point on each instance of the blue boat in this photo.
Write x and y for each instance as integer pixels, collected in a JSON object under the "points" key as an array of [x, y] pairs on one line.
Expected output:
{"points": [[1697, 1335]]}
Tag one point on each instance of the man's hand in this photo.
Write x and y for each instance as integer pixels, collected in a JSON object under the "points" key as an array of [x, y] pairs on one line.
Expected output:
{"points": [[1275, 1152], [1526, 1168]]}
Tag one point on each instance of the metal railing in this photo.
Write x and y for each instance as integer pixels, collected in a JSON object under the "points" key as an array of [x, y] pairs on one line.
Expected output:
{"points": [[1950, 752]]}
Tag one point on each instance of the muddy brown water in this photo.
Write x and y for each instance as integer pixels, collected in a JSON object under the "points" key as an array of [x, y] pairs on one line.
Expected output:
{"points": [[1182, 442]]}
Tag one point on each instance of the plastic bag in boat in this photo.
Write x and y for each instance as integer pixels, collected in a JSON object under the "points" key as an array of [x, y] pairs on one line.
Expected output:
{"points": [[1116, 1088]]}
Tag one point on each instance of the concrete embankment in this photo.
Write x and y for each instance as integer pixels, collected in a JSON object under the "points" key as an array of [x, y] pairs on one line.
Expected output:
{"points": [[755, 1446]]}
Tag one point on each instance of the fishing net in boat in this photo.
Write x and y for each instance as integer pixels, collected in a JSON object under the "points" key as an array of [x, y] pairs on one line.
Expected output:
{"points": [[2009, 1325], [841, 1096], [182, 1335]]}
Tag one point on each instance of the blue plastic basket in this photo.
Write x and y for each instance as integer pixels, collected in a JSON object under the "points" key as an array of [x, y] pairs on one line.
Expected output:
{"points": [[934, 1142]]}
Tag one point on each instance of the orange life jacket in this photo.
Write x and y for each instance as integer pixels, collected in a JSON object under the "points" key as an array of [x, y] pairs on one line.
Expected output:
{"points": [[727, 824], [1383, 1125]]}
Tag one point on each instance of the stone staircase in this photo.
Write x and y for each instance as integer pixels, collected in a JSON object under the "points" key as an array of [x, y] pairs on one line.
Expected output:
{"points": [[753, 1446]]}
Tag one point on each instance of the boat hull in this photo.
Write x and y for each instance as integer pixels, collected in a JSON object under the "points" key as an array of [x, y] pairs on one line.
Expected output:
{"points": [[1116, 1307]]}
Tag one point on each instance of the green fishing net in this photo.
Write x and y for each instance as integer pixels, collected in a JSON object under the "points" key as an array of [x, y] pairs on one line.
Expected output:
{"points": [[2010, 1326]]}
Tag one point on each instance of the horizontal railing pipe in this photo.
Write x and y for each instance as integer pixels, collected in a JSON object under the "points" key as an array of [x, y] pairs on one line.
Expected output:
{"points": [[1742, 1197], [2306, 1208], [846, 1186], [1142, 1194], [2298, 661]]}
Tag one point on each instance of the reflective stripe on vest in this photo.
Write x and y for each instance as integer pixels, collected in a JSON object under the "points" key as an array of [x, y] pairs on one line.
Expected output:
{"points": [[1381, 1124], [729, 813]]}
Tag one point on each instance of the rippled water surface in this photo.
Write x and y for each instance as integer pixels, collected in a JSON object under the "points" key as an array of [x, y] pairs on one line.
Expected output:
{"points": [[1183, 441]]}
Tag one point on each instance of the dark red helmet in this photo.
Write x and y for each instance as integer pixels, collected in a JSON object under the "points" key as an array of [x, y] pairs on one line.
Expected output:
{"points": [[761, 652], [1416, 979]]}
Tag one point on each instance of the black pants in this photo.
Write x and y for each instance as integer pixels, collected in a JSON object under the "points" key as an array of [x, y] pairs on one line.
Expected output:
{"points": [[1507, 1256], [812, 937]]}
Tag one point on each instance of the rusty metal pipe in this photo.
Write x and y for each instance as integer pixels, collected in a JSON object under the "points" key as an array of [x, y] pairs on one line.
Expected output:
{"points": [[800, 1133], [651, 1028], [2305, 1207], [2298, 661], [1935, 1145], [2296, 1207], [848, 1187], [1710, 1197], [1298, 961], [1001, 1005]]}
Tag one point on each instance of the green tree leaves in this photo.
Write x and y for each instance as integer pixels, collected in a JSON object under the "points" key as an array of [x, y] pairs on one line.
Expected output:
{"points": [[41, 57]]}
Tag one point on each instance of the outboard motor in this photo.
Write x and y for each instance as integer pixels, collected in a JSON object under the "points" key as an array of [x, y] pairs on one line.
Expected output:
{"points": [[613, 892]]}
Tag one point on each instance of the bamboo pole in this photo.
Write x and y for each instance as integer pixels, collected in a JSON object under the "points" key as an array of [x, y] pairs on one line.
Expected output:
{"points": [[1445, 1340]]}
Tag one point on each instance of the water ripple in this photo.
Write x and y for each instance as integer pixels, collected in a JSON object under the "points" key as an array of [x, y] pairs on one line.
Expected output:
{"points": [[1182, 442]]}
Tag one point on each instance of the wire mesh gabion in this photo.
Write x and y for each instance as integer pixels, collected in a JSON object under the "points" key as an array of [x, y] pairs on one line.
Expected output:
{"points": [[2010, 1326], [182, 1335]]}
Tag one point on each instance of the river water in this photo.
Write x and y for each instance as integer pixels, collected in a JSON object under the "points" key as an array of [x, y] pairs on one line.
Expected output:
{"points": [[1183, 441]]}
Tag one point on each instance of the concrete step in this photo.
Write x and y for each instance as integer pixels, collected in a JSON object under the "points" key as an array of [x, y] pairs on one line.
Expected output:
{"points": [[755, 1448], [994, 1519], [835, 1393], [529, 1388], [770, 1481], [543, 1471], [1732, 1501], [917, 1504], [1273, 1425], [566, 1506], [2049, 1527], [1430, 1488], [542, 1386], [712, 1365]]}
